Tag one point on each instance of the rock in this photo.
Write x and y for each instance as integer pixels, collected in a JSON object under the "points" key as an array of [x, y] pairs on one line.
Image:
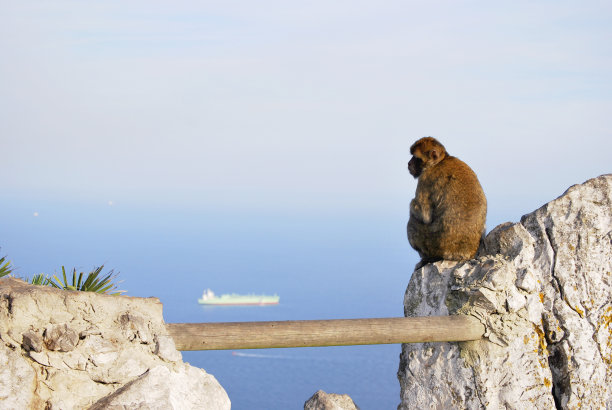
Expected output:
{"points": [[543, 289], [32, 341], [66, 349], [159, 389], [60, 337], [166, 349], [17, 381], [330, 401]]}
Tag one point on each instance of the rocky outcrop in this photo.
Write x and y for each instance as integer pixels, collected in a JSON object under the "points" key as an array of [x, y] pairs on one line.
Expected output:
{"points": [[330, 401], [543, 289], [62, 350]]}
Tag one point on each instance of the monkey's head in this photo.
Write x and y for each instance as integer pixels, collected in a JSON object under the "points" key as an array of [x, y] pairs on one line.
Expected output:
{"points": [[426, 153]]}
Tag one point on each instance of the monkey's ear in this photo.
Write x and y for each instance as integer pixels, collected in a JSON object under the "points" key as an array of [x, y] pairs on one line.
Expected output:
{"points": [[434, 155]]}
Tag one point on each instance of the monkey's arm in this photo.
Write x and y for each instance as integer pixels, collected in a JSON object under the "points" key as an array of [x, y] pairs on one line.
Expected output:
{"points": [[420, 208]]}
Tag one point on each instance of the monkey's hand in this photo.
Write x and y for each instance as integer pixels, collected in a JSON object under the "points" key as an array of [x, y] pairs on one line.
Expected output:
{"points": [[419, 212]]}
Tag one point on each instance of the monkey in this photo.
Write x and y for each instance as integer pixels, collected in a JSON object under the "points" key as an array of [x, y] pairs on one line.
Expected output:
{"points": [[448, 212]]}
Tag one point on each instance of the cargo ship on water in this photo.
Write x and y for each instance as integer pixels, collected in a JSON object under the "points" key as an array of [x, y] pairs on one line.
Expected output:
{"points": [[209, 298]]}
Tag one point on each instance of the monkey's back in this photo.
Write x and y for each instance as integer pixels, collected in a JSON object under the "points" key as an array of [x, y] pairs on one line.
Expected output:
{"points": [[459, 209]]}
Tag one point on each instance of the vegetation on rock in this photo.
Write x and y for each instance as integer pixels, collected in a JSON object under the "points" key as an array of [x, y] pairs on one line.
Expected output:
{"points": [[90, 282]]}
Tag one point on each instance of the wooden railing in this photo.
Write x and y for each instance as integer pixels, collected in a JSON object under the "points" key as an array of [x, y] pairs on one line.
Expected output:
{"points": [[338, 332]]}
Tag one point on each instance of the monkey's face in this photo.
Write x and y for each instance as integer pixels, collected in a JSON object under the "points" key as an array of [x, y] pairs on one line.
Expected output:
{"points": [[426, 153], [415, 166]]}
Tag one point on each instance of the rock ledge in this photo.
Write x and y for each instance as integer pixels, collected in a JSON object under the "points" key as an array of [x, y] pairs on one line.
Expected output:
{"points": [[62, 349], [543, 288]]}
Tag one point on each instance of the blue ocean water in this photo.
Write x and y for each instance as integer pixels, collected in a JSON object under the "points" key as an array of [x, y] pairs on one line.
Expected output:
{"points": [[323, 266]]}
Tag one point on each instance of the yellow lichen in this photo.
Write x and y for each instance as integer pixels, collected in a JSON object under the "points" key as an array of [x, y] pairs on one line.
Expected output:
{"points": [[604, 322], [542, 347], [574, 308]]}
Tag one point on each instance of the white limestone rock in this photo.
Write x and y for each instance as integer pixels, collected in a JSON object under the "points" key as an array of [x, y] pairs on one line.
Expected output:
{"points": [[330, 401], [166, 349], [159, 388], [543, 289], [64, 350], [17, 381]]}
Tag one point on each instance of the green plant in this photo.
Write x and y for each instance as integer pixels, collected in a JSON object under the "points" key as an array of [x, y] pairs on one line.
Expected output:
{"points": [[92, 282], [5, 267], [40, 279]]}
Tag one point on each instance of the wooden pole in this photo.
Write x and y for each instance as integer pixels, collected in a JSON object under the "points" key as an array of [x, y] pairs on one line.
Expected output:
{"points": [[339, 332]]}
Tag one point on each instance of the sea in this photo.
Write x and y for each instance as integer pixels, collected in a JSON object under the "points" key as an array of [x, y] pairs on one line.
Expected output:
{"points": [[322, 264]]}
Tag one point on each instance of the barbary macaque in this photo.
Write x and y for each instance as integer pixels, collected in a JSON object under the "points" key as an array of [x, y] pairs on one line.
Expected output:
{"points": [[448, 212]]}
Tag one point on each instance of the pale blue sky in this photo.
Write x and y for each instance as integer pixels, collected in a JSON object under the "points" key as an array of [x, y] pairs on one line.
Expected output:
{"points": [[300, 105]]}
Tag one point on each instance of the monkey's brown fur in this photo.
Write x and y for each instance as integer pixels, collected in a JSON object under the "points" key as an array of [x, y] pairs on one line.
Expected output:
{"points": [[448, 212]]}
